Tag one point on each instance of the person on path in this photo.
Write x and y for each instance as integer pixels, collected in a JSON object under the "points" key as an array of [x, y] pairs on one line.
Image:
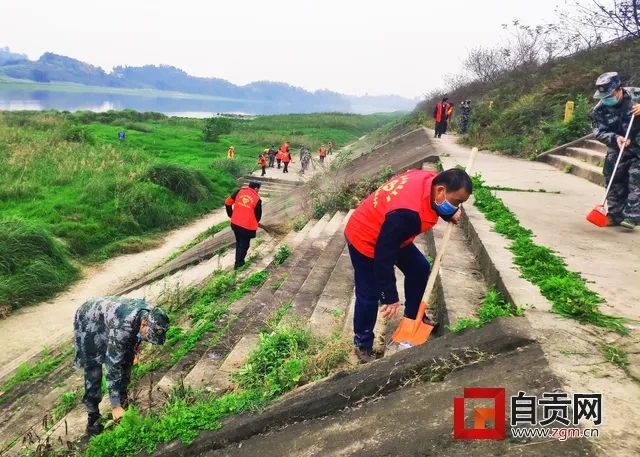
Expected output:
{"points": [[305, 158], [279, 157], [244, 207], [330, 147], [440, 116], [322, 153], [109, 331], [286, 158], [380, 235], [465, 114], [231, 153], [611, 117], [272, 156], [262, 161]]}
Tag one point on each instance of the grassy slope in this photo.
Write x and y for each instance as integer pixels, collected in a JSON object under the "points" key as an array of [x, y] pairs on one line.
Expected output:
{"points": [[71, 177], [528, 108]]}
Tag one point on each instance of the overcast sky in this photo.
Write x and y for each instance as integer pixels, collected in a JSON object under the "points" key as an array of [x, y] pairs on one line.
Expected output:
{"points": [[350, 46]]}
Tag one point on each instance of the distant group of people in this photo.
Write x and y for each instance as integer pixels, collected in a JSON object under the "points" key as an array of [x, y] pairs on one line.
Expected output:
{"points": [[281, 158], [443, 113]]}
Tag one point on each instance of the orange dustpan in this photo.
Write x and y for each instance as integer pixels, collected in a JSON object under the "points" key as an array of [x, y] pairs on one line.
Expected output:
{"points": [[598, 215], [416, 331]]}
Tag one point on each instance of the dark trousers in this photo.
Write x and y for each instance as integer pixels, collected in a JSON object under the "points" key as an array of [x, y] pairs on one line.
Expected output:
{"points": [[623, 200], [242, 246], [272, 159], [441, 127], [321, 159], [93, 387], [416, 270], [279, 162], [286, 167], [264, 171]]}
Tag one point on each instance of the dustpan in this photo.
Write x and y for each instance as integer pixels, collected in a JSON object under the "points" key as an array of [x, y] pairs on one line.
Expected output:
{"points": [[417, 331], [598, 215]]}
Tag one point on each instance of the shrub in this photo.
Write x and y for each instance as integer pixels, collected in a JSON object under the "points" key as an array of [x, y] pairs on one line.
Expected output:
{"points": [[76, 134], [190, 184], [148, 204], [138, 127], [33, 265], [214, 127]]}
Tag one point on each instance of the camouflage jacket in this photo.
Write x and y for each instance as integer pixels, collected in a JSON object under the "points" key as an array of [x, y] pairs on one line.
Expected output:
{"points": [[611, 121], [106, 331]]}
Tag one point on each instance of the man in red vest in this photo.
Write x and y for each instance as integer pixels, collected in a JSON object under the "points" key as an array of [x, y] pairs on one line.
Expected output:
{"points": [[322, 153], [380, 234], [440, 116], [286, 158], [244, 207]]}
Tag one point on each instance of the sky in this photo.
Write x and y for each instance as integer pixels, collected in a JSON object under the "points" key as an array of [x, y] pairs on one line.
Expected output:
{"points": [[358, 47]]}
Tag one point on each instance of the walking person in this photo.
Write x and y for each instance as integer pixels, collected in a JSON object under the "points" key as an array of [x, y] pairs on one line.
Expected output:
{"points": [[611, 118], [305, 158], [440, 116], [380, 235], [322, 153], [279, 157], [109, 331], [330, 147], [262, 161], [272, 156], [286, 158], [231, 153], [465, 114], [244, 207]]}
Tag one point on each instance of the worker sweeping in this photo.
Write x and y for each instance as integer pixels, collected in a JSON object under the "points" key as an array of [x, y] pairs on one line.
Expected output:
{"points": [[244, 207], [109, 331], [380, 235], [611, 118]]}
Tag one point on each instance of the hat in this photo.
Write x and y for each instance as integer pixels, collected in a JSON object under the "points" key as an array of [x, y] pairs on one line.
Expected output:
{"points": [[606, 84], [157, 324]]}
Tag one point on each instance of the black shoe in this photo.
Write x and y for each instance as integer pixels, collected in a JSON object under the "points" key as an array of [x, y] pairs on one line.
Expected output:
{"points": [[365, 355], [94, 425]]}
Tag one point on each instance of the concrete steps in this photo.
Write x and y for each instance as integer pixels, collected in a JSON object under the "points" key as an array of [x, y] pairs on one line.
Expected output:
{"points": [[213, 371], [587, 155], [577, 167], [583, 158]]}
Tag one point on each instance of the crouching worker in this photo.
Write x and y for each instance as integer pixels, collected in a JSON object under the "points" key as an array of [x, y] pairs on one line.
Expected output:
{"points": [[244, 207], [109, 331], [380, 235]]}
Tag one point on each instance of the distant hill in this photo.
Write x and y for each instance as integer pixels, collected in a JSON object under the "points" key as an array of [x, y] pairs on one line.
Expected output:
{"points": [[52, 67]]}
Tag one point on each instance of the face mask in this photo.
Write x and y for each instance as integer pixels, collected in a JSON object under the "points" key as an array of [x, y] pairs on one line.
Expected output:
{"points": [[609, 101], [138, 338], [445, 209]]}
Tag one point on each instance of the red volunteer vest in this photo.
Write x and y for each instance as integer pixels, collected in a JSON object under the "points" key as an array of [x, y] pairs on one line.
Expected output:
{"points": [[279, 154], [441, 109], [244, 208], [322, 152], [286, 157], [410, 190]]}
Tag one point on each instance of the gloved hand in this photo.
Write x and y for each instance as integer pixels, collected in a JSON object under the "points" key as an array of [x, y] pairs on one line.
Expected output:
{"points": [[117, 412]]}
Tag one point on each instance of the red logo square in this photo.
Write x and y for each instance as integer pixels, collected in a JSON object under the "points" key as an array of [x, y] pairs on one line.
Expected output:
{"points": [[481, 415]]}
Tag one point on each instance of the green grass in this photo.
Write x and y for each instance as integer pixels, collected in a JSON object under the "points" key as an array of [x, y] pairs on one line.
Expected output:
{"points": [[282, 254], [25, 372], [566, 290], [203, 236], [615, 355], [68, 175], [66, 402], [493, 305]]}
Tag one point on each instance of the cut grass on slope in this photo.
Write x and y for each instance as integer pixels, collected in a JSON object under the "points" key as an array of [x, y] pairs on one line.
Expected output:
{"points": [[565, 289], [493, 305]]}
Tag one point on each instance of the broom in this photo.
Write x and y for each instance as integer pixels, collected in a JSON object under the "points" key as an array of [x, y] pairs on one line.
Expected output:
{"points": [[598, 215], [416, 331]]}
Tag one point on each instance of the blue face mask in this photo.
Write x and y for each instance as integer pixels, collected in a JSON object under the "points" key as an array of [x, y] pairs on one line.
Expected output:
{"points": [[609, 101], [445, 209]]}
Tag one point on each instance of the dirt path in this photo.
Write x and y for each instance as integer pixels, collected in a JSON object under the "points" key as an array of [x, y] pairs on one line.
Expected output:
{"points": [[24, 333]]}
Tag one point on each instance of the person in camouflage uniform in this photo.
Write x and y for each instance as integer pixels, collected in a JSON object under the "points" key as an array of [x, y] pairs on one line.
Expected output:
{"points": [[465, 113], [611, 117], [109, 331], [305, 158]]}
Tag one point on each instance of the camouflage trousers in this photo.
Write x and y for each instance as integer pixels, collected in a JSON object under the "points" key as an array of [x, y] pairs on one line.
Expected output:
{"points": [[464, 124], [93, 388], [623, 200]]}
